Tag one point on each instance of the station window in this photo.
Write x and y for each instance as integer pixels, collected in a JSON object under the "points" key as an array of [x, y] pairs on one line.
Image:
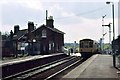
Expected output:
{"points": [[44, 33], [49, 46]]}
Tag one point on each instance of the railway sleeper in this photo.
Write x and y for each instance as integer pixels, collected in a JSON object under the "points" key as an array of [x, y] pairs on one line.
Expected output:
{"points": [[35, 72], [24, 73]]}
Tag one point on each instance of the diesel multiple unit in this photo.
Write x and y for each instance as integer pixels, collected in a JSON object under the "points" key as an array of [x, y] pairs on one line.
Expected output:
{"points": [[88, 47]]}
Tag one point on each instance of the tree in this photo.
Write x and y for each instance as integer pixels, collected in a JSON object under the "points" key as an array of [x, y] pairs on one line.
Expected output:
{"points": [[5, 36]]}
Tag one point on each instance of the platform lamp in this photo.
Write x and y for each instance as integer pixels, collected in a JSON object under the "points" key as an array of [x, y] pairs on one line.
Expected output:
{"points": [[113, 47]]}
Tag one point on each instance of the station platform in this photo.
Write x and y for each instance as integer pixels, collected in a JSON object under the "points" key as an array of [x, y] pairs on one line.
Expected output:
{"points": [[28, 58], [98, 66], [21, 65]]}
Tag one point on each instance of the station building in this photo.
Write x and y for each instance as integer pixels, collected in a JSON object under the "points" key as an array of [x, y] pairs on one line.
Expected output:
{"points": [[45, 39]]}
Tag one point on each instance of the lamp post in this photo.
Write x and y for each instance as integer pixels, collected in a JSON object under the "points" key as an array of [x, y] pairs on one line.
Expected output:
{"points": [[114, 60], [103, 33]]}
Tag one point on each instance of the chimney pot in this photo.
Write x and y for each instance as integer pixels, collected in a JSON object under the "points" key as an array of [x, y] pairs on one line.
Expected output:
{"points": [[30, 26], [50, 22], [16, 29]]}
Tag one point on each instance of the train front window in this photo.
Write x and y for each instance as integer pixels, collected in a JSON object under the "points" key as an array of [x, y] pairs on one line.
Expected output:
{"points": [[86, 45], [81, 45], [90, 44]]}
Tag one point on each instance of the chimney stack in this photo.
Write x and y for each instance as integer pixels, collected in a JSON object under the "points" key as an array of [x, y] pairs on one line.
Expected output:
{"points": [[50, 22], [11, 35], [30, 26], [16, 29]]}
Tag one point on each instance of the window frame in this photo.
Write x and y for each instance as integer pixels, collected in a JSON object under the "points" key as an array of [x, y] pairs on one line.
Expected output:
{"points": [[44, 33]]}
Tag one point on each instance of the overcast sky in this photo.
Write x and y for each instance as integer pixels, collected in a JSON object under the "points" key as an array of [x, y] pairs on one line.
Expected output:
{"points": [[77, 18]]}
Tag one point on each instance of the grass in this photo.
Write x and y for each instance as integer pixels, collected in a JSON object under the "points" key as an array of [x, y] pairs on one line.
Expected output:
{"points": [[106, 46]]}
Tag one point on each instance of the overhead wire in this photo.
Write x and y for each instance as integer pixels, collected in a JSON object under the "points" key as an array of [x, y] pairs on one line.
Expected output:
{"points": [[83, 13]]}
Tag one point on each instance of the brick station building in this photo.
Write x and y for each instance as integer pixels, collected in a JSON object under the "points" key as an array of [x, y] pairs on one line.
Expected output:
{"points": [[45, 39]]}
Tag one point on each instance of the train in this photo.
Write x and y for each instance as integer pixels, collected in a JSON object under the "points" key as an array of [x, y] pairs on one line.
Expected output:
{"points": [[88, 47]]}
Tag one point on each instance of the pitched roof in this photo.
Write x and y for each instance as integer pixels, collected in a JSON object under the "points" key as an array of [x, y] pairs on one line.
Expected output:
{"points": [[53, 29], [20, 33]]}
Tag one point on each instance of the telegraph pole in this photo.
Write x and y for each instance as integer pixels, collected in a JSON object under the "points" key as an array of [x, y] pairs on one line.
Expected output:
{"points": [[46, 16], [109, 25], [103, 33]]}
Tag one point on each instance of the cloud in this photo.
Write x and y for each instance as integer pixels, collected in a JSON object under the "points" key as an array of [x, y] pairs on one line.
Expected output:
{"points": [[57, 10], [75, 26], [3, 2], [34, 4], [89, 28], [78, 0], [65, 14]]}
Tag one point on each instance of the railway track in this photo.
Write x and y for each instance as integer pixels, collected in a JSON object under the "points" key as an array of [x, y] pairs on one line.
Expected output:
{"points": [[46, 71], [63, 69]]}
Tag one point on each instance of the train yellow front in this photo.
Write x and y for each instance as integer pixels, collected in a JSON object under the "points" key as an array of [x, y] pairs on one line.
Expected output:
{"points": [[88, 47]]}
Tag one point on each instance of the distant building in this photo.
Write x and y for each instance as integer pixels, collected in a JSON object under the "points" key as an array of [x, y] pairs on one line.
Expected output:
{"points": [[42, 40]]}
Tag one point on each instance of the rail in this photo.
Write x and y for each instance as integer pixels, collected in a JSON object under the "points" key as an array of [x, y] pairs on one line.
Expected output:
{"points": [[33, 69]]}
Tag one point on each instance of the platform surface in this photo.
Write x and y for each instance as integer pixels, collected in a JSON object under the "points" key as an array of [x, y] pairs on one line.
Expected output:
{"points": [[24, 59], [98, 66]]}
